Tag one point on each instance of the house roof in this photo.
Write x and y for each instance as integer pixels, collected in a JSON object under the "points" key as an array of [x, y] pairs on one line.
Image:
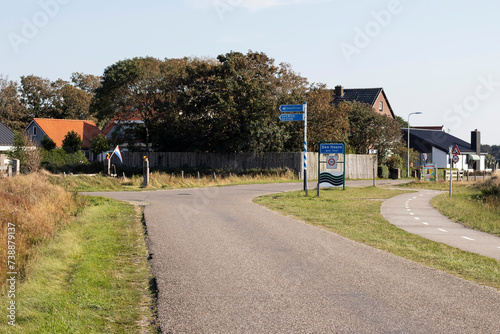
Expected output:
{"points": [[421, 140], [6, 135], [429, 127], [57, 129], [120, 119], [363, 95]]}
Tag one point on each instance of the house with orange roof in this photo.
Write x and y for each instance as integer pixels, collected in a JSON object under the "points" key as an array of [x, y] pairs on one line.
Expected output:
{"points": [[57, 129]]}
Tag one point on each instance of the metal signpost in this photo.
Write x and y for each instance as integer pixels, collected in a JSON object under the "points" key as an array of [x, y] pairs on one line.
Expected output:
{"points": [[456, 152], [374, 152], [302, 109], [332, 150]]}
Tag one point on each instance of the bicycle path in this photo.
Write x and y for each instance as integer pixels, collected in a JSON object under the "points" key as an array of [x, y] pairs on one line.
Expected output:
{"points": [[413, 213]]}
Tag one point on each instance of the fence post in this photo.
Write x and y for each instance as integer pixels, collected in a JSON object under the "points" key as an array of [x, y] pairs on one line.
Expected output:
{"points": [[9, 171], [16, 166], [145, 171]]}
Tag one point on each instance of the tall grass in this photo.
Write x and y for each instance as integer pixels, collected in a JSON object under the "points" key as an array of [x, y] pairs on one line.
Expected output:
{"points": [[490, 189], [36, 209], [161, 180]]}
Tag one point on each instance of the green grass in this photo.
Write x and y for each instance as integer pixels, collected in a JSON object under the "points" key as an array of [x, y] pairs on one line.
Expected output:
{"points": [[466, 206], [355, 214], [91, 278]]}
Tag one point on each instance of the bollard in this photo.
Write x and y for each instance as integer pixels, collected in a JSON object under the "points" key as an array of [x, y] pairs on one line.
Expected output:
{"points": [[145, 171], [215, 177]]}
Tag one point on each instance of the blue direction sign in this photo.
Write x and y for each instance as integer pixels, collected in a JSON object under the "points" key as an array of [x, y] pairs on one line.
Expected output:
{"points": [[331, 148], [292, 107], [291, 117]]}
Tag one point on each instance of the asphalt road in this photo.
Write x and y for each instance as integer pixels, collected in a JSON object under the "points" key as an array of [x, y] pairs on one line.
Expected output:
{"points": [[226, 265]]}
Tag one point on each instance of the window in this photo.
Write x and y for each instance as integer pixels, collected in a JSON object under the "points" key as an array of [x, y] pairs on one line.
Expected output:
{"points": [[381, 106], [34, 131]]}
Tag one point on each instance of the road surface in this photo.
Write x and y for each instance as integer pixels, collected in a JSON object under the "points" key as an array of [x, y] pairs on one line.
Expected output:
{"points": [[225, 265]]}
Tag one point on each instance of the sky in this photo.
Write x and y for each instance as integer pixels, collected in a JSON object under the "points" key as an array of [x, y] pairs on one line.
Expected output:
{"points": [[440, 58]]}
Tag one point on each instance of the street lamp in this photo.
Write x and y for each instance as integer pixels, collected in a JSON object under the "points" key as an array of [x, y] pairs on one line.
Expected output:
{"points": [[413, 113]]}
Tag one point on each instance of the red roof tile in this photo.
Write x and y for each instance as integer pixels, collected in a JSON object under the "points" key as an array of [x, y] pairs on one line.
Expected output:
{"points": [[57, 129]]}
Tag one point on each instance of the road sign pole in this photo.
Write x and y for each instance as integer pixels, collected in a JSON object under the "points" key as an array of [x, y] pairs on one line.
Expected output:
{"points": [[305, 147], [451, 165]]}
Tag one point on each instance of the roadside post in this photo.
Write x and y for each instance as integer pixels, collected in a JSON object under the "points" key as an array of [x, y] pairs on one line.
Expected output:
{"points": [[455, 152], [297, 112], [335, 177], [374, 153], [145, 171]]}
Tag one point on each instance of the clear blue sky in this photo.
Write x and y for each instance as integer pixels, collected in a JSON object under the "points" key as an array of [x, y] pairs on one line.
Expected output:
{"points": [[438, 57]]}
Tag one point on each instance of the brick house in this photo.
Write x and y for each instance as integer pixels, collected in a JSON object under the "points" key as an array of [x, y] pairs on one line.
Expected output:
{"points": [[375, 97]]}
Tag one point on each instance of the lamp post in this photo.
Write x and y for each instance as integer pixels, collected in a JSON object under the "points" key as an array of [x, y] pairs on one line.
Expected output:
{"points": [[408, 167]]}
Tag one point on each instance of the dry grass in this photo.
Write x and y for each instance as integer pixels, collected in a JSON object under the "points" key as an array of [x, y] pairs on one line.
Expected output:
{"points": [[490, 189], [36, 208], [159, 180]]}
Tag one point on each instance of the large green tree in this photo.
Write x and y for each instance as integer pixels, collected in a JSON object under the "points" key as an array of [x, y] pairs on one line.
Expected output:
{"points": [[325, 121], [131, 90], [12, 112], [371, 130]]}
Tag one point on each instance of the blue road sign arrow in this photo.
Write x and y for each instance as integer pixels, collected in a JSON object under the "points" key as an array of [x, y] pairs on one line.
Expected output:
{"points": [[291, 107], [291, 117]]}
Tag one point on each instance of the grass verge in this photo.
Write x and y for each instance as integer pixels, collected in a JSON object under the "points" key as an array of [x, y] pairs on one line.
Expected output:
{"points": [[355, 214], [91, 278], [165, 181]]}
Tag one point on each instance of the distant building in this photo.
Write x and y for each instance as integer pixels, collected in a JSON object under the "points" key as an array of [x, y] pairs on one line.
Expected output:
{"points": [[375, 97], [57, 129], [6, 143], [435, 145]]}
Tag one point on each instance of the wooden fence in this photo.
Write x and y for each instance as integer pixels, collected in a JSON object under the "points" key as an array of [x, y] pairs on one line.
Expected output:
{"points": [[358, 166]]}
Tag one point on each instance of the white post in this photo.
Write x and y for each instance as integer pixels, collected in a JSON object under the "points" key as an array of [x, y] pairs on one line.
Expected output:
{"points": [[451, 165], [305, 147]]}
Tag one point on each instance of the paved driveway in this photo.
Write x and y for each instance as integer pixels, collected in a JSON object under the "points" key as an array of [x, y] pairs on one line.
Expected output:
{"points": [[226, 265]]}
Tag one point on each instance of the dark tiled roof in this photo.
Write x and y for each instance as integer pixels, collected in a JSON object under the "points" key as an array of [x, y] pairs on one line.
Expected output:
{"points": [[6, 135], [423, 140], [363, 95], [432, 127]]}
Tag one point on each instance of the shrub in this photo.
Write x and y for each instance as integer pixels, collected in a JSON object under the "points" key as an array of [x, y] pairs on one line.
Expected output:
{"points": [[394, 162], [72, 142], [48, 144], [383, 172], [490, 189]]}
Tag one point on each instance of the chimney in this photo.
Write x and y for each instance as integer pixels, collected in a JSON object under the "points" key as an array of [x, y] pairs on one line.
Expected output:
{"points": [[475, 141], [339, 91]]}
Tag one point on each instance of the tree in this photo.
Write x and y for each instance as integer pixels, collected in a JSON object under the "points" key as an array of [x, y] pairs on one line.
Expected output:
{"points": [[370, 130], [27, 152], [86, 82], [402, 122], [37, 95], [324, 120], [99, 144], [12, 112], [131, 88], [47, 143], [72, 142]]}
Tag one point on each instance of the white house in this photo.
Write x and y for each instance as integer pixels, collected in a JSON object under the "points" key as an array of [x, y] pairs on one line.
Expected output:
{"points": [[434, 146]]}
